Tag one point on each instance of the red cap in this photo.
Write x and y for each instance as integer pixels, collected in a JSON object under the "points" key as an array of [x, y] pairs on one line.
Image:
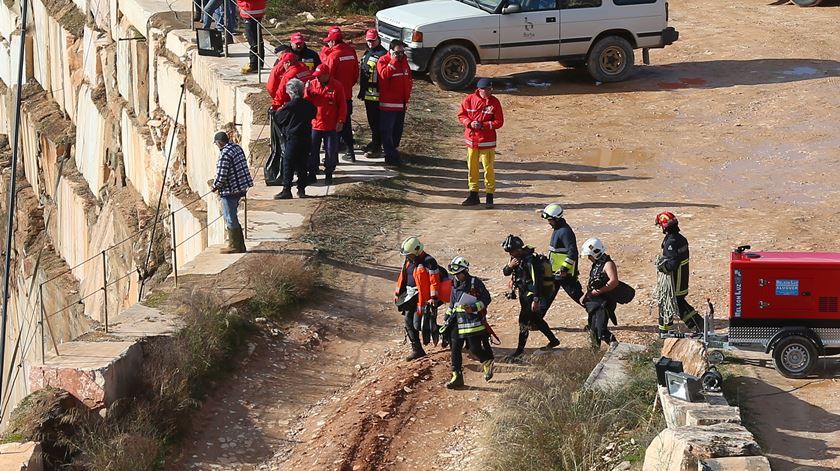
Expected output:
{"points": [[333, 34], [322, 69], [297, 38], [288, 57], [371, 34]]}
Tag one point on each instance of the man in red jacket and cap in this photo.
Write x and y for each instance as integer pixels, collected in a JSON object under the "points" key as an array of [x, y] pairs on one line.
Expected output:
{"points": [[252, 12], [395, 85], [481, 114], [327, 94], [343, 62]]}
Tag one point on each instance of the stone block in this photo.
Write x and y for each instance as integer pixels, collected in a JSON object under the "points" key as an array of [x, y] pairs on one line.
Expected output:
{"points": [[30, 149], [215, 222], [81, 5], [21, 456], [140, 79], [690, 352], [142, 161], [125, 71], [92, 43], [169, 81], [101, 13], [253, 120], [190, 234], [41, 40], [679, 413], [91, 141], [180, 42], [740, 463], [219, 78], [611, 371], [140, 12], [202, 154], [680, 449], [139, 321], [96, 373], [8, 20]]}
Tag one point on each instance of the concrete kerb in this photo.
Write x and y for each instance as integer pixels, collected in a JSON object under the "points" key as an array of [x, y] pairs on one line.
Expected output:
{"points": [[611, 371]]}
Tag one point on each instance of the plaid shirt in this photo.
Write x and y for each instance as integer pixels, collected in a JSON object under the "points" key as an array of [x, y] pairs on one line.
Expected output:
{"points": [[232, 174]]}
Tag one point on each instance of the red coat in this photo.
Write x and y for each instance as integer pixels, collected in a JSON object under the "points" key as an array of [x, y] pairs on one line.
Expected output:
{"points": [[251, 8], [488, 112], [278, 79], [330, 102], [344, 66], [395, 83]]}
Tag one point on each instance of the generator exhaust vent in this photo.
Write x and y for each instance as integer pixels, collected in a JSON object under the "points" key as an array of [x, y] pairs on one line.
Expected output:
{"points": [[828, 304]]}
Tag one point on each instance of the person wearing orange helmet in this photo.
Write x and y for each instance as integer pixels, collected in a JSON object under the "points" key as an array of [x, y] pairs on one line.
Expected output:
{"points": [[674, 262]]}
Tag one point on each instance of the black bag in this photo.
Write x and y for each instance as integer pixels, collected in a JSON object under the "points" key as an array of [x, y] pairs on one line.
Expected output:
{"points": [[273, 170], [623, 293]]}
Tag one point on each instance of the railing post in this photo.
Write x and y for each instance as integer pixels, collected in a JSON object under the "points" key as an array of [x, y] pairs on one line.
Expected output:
{"points": [[192, 13], [41, 321], [174, 251], [105, 289], [260, 47], [245, 229], [225, 29]]}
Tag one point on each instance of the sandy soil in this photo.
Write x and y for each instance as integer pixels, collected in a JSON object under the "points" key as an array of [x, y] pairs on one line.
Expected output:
{"points": [[734, 128]]}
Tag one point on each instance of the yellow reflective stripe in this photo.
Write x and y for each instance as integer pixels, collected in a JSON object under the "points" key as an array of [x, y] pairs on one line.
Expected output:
{"points": [[479, 305], [471, 330], [678, 280]]}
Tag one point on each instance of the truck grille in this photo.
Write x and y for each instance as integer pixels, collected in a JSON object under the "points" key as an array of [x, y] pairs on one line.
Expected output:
{"points": [[828, 304], [390, 30]]}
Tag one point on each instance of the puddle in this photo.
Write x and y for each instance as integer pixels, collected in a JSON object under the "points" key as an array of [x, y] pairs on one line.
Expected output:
{"points": [[800, 71], [612, 157]]}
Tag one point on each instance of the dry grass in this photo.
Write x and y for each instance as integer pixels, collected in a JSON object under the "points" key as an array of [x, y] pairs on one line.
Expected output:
{"points": [[546, 422], [279, 283], [352, 225]]}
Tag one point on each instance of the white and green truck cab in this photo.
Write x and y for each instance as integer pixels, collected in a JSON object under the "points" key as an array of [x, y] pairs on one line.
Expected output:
{"points": [[447, 38]]}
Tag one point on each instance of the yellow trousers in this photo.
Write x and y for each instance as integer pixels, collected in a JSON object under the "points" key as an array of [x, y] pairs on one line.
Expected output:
{"points": [[487, 157]]}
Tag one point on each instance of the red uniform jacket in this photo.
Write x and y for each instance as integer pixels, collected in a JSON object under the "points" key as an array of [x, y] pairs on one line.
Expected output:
{"points": [[488, 112], [394, 83], [330, 101], [251, 8], [344, 66], [278, 79]]}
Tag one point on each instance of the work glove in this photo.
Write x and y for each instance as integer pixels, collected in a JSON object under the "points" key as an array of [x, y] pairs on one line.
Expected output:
{"points": [[662, 264]]}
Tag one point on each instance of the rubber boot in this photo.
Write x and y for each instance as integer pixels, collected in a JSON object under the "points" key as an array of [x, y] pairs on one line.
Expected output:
{"points": [[301, 193], [231, 247], [552, 339], [488, 367], [238, 241], [286, 194], [551, 345], [520, 347], [471, 200], [489, 202], [416, 347], [457, 380]]}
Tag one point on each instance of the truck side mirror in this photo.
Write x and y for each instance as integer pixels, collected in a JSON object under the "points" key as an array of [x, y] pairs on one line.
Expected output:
{"points": [[511, 8]]}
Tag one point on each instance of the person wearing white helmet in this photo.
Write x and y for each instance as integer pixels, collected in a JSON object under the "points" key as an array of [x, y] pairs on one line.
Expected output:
{"points": [[563, 253], [465, 321], [418, 292], [603, 278]]}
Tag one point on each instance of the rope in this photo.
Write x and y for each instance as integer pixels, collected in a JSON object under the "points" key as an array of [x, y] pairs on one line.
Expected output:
{"points": [[665, 298]]}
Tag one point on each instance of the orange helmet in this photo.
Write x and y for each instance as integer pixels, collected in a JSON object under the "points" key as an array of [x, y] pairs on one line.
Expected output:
{"points": [[666, 219]]}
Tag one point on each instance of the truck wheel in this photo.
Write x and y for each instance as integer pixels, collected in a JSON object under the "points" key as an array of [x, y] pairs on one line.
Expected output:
{"points": [[453, 67], [610, 60], [807, 3], [795, 356]]}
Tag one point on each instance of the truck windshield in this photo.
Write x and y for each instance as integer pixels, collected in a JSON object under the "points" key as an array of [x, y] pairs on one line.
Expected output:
{"points": [[486, 5]]}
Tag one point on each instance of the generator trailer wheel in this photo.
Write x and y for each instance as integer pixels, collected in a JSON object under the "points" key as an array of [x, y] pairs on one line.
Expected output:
{"points": [[795, 356]]}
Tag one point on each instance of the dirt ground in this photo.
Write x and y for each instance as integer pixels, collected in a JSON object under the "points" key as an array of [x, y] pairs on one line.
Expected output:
{"points": [[734, 128]]}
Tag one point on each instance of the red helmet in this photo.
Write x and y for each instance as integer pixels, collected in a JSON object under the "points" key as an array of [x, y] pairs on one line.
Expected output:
{"points": [[666, 219]]}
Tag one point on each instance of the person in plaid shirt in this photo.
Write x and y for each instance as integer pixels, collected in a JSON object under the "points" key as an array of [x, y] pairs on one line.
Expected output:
{"points": [[233, 178]]}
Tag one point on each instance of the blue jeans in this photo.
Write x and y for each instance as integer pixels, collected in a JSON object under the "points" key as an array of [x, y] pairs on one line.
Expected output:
{"points": [[213, 7], [330, 139], [230, 204], [347, 130], [391, 124]]}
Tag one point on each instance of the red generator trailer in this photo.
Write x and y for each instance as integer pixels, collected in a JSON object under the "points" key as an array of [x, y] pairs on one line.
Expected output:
{"points": [[784, 303]]}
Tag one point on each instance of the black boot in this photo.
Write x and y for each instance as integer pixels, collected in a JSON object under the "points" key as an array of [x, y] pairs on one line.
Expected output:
{"points": [[552, 339], [520, 346], [286, 194], [301, 192], [489, 204], [416, 347], [471, 200]]}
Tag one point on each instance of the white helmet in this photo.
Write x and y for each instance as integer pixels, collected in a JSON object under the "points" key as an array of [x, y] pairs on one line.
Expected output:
{"points": [[552, 211], [457, 265], [593, 247], [411, 245]]}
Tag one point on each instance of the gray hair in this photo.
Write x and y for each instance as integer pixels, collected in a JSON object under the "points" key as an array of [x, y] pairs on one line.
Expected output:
{"points": [[294, 88]]}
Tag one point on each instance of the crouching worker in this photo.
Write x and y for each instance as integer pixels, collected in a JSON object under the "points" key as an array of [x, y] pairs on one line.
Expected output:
{"points": [[599, 304], [465, 321]]}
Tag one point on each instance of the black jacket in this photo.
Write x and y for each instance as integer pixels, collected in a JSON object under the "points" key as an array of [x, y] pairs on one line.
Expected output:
{"points": [[295, 119], [675, 252], [530, 277], [562, 246], [365, 70]]}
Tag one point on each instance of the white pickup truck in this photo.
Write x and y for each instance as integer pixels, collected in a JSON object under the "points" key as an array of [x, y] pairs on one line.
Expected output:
{"points": [[447, 38]]}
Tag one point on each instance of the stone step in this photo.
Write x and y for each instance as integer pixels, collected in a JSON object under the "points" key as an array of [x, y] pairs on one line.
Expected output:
{"points": [[611, 371], [21, 457], [139, 321], [740, 463]]}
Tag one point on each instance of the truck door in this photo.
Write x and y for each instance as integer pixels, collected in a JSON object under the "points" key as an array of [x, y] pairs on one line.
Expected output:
{"points": [[530, 30], [581, 21]]}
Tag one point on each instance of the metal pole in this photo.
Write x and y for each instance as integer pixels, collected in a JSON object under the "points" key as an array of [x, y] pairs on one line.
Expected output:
{"points": [[105, 289], [174, 251], [10, 222], [246, 216], [41, 323], [225, 30], [260, 52], [192, 12]]}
